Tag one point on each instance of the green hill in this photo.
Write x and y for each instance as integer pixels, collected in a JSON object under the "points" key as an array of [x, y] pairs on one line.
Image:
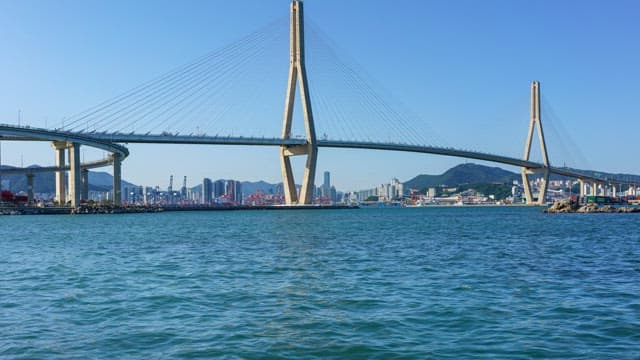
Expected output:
{"points": [[463, 174]]}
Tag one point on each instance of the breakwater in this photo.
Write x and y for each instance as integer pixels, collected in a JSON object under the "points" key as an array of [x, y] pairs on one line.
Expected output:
{"points": [[569, 206]]}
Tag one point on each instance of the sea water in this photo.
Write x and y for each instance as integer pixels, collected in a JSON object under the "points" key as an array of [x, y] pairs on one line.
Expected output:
{"points": [[453, 282]]}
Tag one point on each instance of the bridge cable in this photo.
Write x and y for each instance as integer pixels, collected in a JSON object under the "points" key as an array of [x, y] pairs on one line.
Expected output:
{"points": [[174, 74], [156, 96], [368, 97]]}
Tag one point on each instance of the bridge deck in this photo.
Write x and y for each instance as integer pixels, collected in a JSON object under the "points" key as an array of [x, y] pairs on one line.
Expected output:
{"points": [[111, 142]]}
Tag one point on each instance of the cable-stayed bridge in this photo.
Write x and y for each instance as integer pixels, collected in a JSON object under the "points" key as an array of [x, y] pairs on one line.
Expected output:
{"points": [[200, 94]]}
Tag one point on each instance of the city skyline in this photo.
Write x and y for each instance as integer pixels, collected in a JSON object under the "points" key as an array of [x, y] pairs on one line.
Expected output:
{"points": [[56, 67]]}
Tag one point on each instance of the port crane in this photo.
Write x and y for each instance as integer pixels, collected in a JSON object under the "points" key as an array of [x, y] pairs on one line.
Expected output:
{"points": [[183, 190]]}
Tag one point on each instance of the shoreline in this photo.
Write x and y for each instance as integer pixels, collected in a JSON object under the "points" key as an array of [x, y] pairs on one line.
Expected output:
{"points": [[89, 210]]}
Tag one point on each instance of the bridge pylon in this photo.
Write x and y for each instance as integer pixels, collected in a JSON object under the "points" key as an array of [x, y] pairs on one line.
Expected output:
{"points": [[535, 123], [298, 74]]}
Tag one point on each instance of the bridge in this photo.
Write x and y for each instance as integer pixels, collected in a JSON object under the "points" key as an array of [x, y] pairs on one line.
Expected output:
{"points": [[67, 141]]}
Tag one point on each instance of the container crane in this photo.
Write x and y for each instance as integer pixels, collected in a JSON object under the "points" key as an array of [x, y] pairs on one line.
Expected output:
{"points": [[183, 190]]}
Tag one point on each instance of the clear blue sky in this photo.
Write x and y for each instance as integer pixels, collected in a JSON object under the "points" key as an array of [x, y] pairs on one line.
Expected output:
{"points": [[463, 67]]}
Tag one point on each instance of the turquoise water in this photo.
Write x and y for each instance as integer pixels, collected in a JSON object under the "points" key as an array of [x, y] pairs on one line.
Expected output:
{"points": [[369, 283]]}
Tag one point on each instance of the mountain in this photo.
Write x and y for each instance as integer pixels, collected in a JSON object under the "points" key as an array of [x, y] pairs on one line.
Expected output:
{"points": [[102, 180], [46, 183], [249, 187], [479, 174], [463, 174], [42, 183]]}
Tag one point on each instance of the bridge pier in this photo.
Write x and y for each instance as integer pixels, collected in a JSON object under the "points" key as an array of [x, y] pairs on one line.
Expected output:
{"points": [[117, 180], [542, 190], [582, 190], [74, 174], [59, 148], [30, 188], [85, 184]]}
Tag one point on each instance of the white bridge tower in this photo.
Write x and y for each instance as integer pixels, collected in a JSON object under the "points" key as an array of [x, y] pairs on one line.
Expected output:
{"points": [[298, 74]]}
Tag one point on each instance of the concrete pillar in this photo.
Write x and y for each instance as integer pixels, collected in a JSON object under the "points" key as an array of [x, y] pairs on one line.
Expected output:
{"points": [[298, 74], [74, 174], [526, 186], [85, 184], [30, 187], [594, 188], [117, 180], [542, 193], [59, 147], [614, 193], [583, 189]]}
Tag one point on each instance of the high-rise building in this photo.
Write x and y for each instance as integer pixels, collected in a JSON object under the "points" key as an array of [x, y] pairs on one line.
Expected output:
{"points": [[207, 191], [234, 191], [326, 185], [218, 188], [396, 189], [126, 195], [238, 193], [229, 189]]}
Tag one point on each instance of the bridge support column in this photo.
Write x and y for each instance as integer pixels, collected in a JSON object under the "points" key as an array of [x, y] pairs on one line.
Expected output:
{"points": [[297, 72], [30, 188], [59, 148], [582, 190], [74, 174], [594, 189], [526, 186], [117, 180], [85, 184], [536, 123]]}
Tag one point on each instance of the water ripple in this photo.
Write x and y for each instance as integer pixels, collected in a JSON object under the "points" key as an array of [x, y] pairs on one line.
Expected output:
{"points": [[373, 283]]}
